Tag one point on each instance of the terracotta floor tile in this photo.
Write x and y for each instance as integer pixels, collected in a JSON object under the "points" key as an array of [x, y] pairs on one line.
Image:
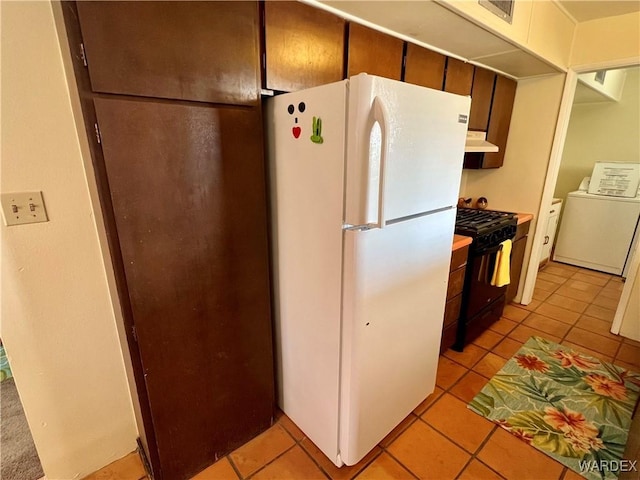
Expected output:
{"points": [[546, 324], [221, 470], [427, 402], [503, 326], [488, 339], [477, 470], [629, 354], [593, 290], [385, 467], [291, 427], [564, 266], [469, 386], [630, 341], [128, 467], [401, 427], [606, 302], [522, 333], [343, 473], [532, 305], [571, 475], [613, 286], [587, 351], [540, 294], [598, 280], [515, 312], [469, 357], [613, 294], [507, 348], [452, 418], [514, 459], [595, 325], [293, 465], [261, 450], [448, 372], [489, 365], [558, 270], [550, 277], [593, 340], [567, 291], [566, 303], [600, 312], [558, 313], [545, 285], [427, 454]]}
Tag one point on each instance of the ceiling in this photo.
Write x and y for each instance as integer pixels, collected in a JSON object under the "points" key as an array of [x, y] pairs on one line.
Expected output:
{"points": [[583, 11]]}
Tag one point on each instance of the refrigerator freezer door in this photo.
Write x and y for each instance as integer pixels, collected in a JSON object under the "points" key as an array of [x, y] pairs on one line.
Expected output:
{"points": [[306, 173], [395, 282], [425, 137]]}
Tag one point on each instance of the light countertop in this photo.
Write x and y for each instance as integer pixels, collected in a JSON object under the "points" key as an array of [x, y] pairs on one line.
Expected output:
{"points": [[460, 241]]}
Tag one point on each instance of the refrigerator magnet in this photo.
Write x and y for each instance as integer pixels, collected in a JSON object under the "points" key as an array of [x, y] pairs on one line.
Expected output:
{"points": [[317, 130], [296, 130]]}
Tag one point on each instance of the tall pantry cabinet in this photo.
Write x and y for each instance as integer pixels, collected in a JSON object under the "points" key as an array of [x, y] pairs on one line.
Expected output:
{"points": [[176, 129]]}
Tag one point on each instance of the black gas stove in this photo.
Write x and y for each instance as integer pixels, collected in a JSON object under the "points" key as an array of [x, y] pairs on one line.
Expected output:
{"points": [[482, 302], [487, 227]]}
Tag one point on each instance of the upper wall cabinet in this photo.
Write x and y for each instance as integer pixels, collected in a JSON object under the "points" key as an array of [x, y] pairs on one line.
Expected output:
{"points": [[374, 52], [481, 96], [504, 94], [177, 50], [458, 77], [424, 67], [304, 46]]}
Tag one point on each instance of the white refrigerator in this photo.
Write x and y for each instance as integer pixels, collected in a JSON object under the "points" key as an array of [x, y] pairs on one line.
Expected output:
{"points": [[364, 177]]}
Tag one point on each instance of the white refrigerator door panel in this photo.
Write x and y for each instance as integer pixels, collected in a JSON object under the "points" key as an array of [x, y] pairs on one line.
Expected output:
{"points": [[395, 282], [425, 137], [596, 232], [306, 188]]}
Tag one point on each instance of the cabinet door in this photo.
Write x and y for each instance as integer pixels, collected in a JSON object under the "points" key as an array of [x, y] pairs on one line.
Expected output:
{"points": [[517, 258], [498, 130], [481, 95], [304, 46], [188, 192], [179, 50], [458, 77], [424, 67], [374, 52]]}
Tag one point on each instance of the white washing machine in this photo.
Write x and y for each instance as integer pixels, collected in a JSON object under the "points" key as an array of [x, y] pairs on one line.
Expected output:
{"points": [[598, 232]]}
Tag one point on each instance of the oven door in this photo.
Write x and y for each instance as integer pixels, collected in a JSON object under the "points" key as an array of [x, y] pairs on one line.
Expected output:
{"points": [[481, 293]]}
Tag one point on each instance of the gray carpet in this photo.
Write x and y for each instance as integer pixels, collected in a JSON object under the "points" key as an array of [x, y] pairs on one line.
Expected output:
{"points": [[18, 457]]}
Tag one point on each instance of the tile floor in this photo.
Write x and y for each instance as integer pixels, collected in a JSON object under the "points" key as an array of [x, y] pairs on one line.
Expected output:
{"points": [[442, 439]]}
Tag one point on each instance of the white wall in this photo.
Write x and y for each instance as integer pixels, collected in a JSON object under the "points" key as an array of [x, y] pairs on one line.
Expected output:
{"points": [[607, 42], [58, 324], [517, 186], [604, 131]]}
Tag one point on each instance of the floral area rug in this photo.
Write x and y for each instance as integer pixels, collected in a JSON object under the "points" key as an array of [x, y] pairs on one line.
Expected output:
{"points": [[570, 406]]}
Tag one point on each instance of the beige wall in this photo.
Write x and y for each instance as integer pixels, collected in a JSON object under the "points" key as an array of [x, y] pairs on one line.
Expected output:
{"points": [[517, 186], [58, 324], [608, 41], [601, 132]]}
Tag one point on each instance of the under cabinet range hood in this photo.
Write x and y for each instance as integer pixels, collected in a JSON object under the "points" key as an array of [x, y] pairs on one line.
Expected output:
{"points": [[476, 142]]}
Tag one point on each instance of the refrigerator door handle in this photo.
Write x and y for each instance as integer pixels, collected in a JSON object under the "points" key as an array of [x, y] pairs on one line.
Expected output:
{"points": [[381, 116]]}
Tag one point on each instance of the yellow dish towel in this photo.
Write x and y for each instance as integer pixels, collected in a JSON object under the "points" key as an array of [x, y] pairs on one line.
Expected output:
{"points": [[500, 275]]}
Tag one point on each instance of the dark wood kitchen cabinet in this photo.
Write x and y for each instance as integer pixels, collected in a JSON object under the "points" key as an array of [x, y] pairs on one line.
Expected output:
{"points": [[457, 270], [374, 52], [481, 96], [517, 258], [304, 46], [458, 77], [174, 124], [424, 67], [177, 50], [504, 93]]}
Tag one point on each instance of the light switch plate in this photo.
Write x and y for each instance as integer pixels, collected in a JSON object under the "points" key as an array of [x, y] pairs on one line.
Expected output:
{"points": [[23, 207]]}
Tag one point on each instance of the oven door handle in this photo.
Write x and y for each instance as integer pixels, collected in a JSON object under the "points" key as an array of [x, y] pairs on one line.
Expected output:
{"points": [[488, 250]]}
